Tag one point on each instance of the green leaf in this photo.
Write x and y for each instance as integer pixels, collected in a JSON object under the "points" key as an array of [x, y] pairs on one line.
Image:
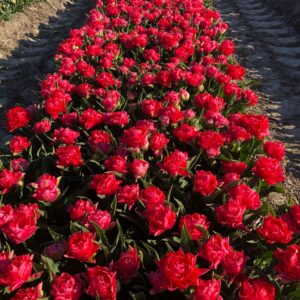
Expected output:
{"points": [[138, 296], [193, 161], [224, 158], [203, 230], [152, 252], [114, 206], [169, 194], [264, 261], [278, 189], [267, 209], [122, 236], [186, 240], [100, 233], [50, 266], [103, 239], [183, 183], [56, 236], [74, 227], [180, 206], [295, 295]]}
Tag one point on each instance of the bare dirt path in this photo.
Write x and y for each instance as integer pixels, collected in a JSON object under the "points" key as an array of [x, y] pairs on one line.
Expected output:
{"points": [[28, 42], [270, 49]]}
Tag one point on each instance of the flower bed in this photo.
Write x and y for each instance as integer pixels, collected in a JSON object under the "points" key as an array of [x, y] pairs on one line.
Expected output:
{"points": [[142, 175]]}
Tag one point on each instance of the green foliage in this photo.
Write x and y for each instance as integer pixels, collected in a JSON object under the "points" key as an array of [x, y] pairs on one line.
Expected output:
{"points": [[8, 7]]}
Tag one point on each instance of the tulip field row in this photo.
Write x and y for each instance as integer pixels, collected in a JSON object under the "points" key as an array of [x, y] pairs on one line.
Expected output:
{"points": [[141, 172]]}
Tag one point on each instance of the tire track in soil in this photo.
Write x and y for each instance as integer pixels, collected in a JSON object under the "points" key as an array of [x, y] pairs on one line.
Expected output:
{"points": [[270, 50], [24, 62]]}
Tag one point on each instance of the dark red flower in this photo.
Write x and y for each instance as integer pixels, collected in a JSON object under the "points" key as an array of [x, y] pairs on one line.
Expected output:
{"points": [[245, 196], [15, 270], [46, 188], [275, 230], [214, 250], [65, 136], [100, 141], [152, 196], [32, 293], [234, 262], [42, 126], [176, 270], [274, 149], [117, 118], [231, 214], [269, 170], [250, 96], [227, 47], [235, 71], [105, 184], [205, 183], [207, 290], [295, 214], [194, 222], [16, 118], [176, 163], [6, 214], [8, 179], [211, 142], [186, 132], [105, 79], [288, 264], [127, 265], [101, 283], [18, 144], [19, 164], [139, 168], [23, 225], [69, 156], [81, 209], [116, 163], [57, 103], [101, 218], [90, 118], [135, 138], [256, 289], [151, 107], [67, 287], [81, 246], [128, 194], [160, 218], [157, 142], [237, 167]]}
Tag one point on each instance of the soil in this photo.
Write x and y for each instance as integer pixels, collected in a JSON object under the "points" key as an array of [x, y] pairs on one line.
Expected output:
{"points": [[289, 8], [270, 50]]}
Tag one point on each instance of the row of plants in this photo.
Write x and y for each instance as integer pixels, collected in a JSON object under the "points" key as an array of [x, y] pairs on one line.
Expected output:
{"points": [[8, 7], [141, 173]]}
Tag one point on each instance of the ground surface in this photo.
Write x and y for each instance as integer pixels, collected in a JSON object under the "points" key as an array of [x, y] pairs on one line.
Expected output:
{"points": [[270, 49], [267, 46], [289, 8]]}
